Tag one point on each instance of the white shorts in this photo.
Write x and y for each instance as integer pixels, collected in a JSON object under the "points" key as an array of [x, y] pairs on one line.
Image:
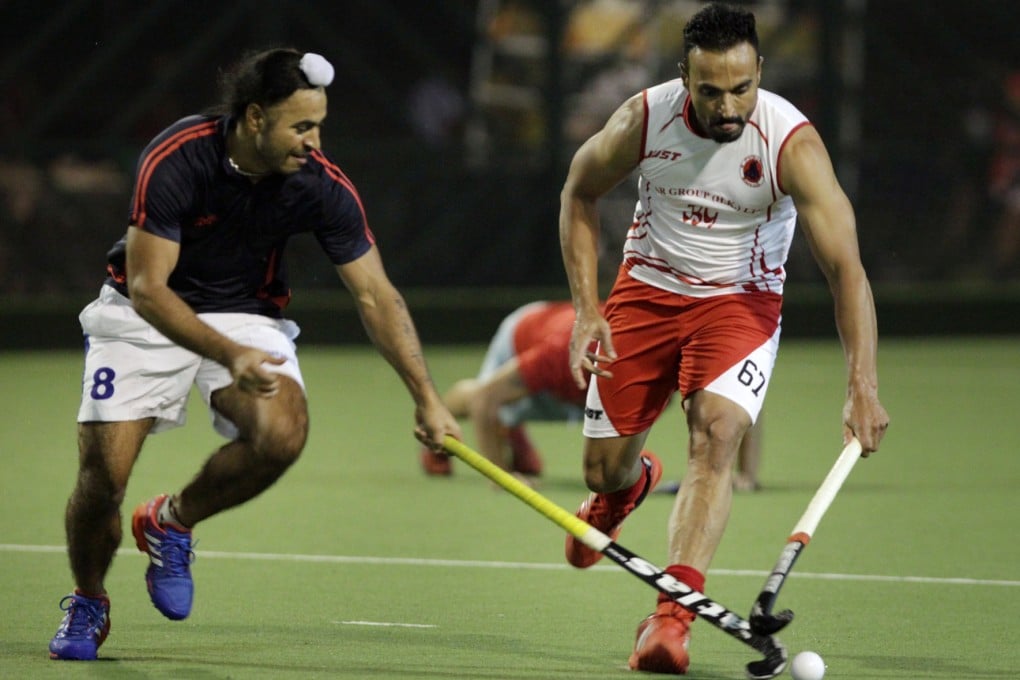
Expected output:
{"points": [[132, 371]]}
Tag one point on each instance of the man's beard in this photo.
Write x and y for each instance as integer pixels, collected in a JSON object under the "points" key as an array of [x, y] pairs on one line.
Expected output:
{"points": [[722, 136]]}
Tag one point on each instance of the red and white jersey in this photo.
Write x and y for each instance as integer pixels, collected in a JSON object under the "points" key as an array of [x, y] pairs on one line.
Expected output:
{"points": [[711, 218]]}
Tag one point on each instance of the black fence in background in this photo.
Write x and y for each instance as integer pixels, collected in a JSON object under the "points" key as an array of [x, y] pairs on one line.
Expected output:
{"points": [[920, 101]]}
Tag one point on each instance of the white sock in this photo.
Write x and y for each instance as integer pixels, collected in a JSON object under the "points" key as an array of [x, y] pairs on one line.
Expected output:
{"points": [[167, 515]]}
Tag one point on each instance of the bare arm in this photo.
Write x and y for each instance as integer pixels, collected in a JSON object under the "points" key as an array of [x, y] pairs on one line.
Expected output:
{"points": [[150, 260], [827, 219], [600, 164], [389, 326]]}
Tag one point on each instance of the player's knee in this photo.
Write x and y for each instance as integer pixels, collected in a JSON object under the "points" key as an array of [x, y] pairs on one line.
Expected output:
{"points": [[98, 485], [605, 472], [715, 441], [596, 477], [280, 440], [96, 492]]}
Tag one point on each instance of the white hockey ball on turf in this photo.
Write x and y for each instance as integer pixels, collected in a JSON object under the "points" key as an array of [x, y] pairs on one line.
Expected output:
{"points": [[807, 666]]}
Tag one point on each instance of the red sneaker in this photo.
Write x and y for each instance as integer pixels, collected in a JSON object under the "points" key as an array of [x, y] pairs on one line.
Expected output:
{"points": [[662, 639], [435, 464], [599, 511]]}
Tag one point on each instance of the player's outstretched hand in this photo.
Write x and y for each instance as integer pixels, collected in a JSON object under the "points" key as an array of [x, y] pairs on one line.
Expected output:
{"points": [[591, 346], [433, 422], [864, 417]]}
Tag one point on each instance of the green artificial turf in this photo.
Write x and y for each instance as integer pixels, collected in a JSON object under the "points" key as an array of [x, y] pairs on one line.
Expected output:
{"points": [[355, 565]]}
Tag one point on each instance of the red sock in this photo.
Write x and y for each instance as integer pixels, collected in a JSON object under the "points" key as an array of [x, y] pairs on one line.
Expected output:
{"points": [[688, 575], [519, 440]]}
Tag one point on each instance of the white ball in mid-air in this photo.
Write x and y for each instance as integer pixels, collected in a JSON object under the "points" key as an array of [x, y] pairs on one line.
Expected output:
{"points": [[807, 666]]}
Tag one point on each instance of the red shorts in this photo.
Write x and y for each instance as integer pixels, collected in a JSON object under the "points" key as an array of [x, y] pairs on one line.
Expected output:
{"points": [[667, 342]]}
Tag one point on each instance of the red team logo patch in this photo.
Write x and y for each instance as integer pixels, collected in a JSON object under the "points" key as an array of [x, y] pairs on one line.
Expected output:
{"points": [[752, 171]]}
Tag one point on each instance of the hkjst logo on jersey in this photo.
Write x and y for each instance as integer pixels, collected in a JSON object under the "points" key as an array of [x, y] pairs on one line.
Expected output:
{"points": [[752, 171], [205, 221]]}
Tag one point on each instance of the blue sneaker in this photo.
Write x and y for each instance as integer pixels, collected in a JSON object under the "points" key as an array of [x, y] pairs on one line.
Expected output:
{"points": [[169, 549], [86, 624]]}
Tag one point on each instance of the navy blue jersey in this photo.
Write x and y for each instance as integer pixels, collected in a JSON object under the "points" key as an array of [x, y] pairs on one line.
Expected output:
{"points": [[232, 231]]}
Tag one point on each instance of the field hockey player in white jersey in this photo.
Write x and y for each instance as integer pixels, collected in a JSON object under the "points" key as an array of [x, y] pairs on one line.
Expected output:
{"points": [[726, 172]]}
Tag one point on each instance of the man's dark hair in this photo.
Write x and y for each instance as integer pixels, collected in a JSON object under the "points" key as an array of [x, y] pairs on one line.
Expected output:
{"points": [[264, 78], [718, 27]]}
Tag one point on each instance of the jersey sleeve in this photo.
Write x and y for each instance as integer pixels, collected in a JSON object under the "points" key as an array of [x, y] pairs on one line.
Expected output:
{"points": [[165, 180], [344, 233]]}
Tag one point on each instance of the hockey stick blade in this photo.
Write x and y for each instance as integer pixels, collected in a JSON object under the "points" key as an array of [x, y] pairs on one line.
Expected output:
{"points": [[763, 621], [775, 655]]}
